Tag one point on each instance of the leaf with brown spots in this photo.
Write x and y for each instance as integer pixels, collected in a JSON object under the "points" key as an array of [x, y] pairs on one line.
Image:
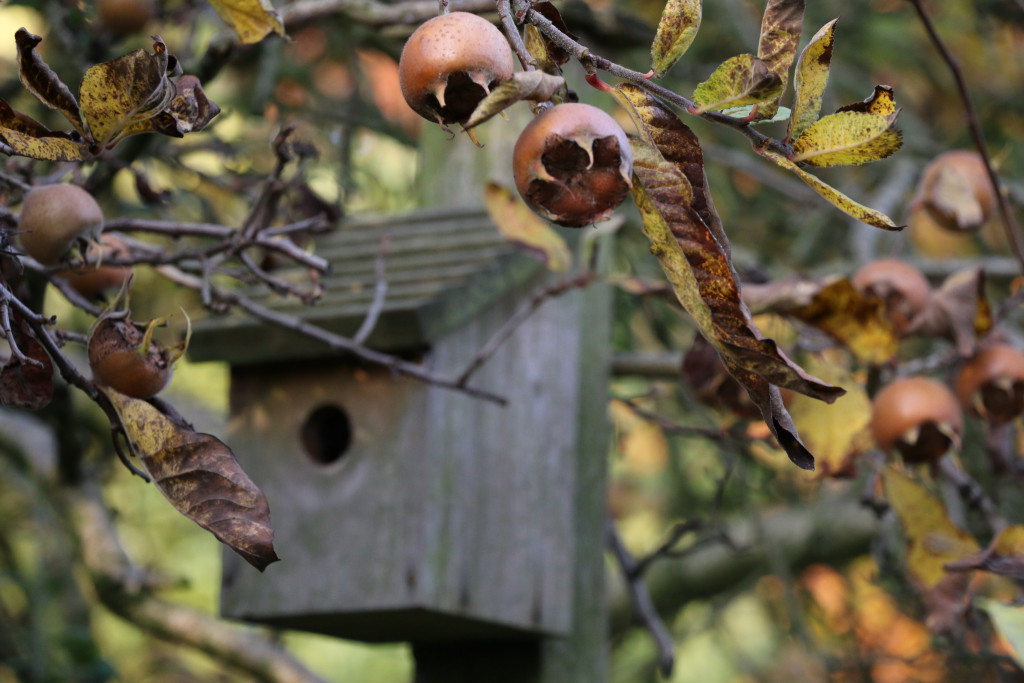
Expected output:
{"points": [[120, 97], [812, 71], [27, 383], [201, 478], [39, 78], [686, 236], [27, 137], [739, 81], [848, 138], [781, 27], [678, 26], [881, 102]]}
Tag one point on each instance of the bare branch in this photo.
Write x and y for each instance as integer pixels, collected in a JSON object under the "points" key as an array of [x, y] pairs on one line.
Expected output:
{"points": [[380, 290]]}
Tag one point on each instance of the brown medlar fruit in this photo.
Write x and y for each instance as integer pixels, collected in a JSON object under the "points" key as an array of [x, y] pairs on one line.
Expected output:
{"points": [[991, 384], [95, 276], [450, 63], [56, 217], [128, 360], [573, 164], [900, 285], [956, 191], [125, 17], [917, 416]]}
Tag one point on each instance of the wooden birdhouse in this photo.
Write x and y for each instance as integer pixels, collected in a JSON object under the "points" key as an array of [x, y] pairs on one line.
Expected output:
{"points": [[405, 511]]}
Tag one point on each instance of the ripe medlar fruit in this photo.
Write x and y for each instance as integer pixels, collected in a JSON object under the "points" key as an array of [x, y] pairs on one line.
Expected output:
{"points": [[125, 17], [95, 277], [956, 191], [128, 360], [56, 217], [450, 63], [917, 416], [991, 384], [900, 285], [573, 164]]}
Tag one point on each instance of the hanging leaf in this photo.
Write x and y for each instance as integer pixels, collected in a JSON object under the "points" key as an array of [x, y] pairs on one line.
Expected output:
{"points": [[881, 102], [832, 195], [538, 48], [857, 321], [525, 229], [536, 86], [120, 96], [812, 71], [23, 384], [848, 138], [695, 258], [42, 82], [251, 20], [201, 478], [958, 310], [190, 108], [1004, 556], [780, 35], [739, 81], [680, 21], [557, 54]]}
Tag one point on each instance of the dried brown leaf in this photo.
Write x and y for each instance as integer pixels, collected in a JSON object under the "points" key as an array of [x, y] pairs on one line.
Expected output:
{"points": [[958, 311], [201, 478], [22, 384], [536, 86], [41, 81]]}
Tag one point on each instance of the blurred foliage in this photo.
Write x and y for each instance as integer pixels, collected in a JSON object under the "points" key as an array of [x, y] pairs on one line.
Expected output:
{"points": [[336, 80]]}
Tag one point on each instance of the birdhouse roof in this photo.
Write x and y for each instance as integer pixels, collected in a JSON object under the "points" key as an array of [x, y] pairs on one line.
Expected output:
{"points": [[442, 267]]}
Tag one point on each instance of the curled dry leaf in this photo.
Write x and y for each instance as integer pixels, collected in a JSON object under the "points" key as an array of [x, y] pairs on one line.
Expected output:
{"points": [[677, 28], [23, 384], [781, 27], [557, 54], [201, 478], [686, 237], [958, 311], [881, 102], [251, 20], [525, 229], [1003, 556], [41, 81], [535, 86]]}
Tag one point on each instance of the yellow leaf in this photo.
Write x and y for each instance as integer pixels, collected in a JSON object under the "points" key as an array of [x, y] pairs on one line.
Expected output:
{"points": [[839, 432], [881, 102], [933, 539], [124, 92], [50, 148], [848, 138], [252, 20], [812, 71], [525, 229], [677, 28], [832, 195], [739, 81]]}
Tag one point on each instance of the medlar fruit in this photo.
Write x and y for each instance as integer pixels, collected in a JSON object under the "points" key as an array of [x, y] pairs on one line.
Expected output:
{"points": [[56, 217], [991, 384], [918, 417], [95, 277], [900, 285], [450, 63], [956, 191], [128, 360], [573, 164]]}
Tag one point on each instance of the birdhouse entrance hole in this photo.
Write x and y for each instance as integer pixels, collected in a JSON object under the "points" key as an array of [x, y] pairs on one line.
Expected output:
{"points": [[326, 434]]}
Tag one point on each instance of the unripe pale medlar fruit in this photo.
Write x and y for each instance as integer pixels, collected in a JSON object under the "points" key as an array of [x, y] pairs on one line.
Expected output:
{"points": [[450, 63], [573, 164], [917, 416], [55, 217], [991, 384], [900, 285]]}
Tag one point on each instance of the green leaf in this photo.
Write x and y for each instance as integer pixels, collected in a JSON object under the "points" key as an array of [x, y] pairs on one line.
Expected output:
{"points": [[525, 229], [812, 71], [534, 85], [1009, 622], [739, 81], [848, 138], [42, 82], [123, 93], [251, 20], [677, 28], [832, 195]]}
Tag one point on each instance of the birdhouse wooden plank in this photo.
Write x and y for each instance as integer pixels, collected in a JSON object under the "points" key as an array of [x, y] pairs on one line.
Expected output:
{"points": [[405, 511]]}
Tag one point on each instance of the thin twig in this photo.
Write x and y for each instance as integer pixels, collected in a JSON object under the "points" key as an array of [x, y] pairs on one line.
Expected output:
{"points": [[508, 24], [973, 494], [1010, 225], [642, 601], [518, 318], [380, 290]]}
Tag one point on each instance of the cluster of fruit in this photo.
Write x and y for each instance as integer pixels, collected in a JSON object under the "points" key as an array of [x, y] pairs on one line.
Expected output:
{"points": [[572, 164], [55, 219]]}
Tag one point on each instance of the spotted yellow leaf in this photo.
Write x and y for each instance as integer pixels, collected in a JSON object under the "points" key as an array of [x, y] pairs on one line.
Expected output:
{"points": [[739, 81], [252, 20], [848, 138], [812, 71], [676, 30]]}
